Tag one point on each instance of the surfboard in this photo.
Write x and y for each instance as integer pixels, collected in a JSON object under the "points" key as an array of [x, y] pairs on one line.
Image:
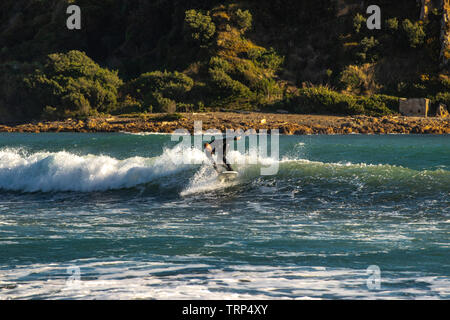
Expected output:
{"points": [[227, 176]]}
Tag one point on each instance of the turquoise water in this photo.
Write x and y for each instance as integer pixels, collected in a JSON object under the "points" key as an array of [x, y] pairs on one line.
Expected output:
{"points": [[120, 216]]}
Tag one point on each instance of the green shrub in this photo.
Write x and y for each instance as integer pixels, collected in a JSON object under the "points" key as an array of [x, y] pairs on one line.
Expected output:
{"points": [[219, 63], [228, 89], [172, 84], [391, 102], [352, 78], [245, 82], [267, 59], [267, 90], [159, 103], [359, 79], [444, 81], [130, 105], [367, 50], [358, 21], [200, 27], [226, 81], [76, 103], [160, 91], [414, 33], [168, 117], [321, 100], [243, 20], [74, 85], [392, 24], [442, 97], [379, 105]]}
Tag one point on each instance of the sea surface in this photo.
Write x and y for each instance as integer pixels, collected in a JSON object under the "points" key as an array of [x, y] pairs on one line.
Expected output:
{"points": [[124, 216]]}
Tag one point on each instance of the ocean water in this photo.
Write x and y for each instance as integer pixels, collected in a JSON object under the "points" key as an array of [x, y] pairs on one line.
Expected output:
{"points": [[121, 216]]}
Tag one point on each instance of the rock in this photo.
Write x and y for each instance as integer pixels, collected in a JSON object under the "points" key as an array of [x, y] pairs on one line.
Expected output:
{"points": [[348, 130], [303, 130], [442, 111], [330, 130], [319, 129], [415, 129]]}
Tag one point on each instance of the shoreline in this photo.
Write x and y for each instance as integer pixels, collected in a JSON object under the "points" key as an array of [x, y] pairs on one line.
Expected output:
{"points": [[288, 124]]}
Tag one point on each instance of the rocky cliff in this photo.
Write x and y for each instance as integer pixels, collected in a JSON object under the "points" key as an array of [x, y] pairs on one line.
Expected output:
{"points": [[443, 6], [445, 34]]}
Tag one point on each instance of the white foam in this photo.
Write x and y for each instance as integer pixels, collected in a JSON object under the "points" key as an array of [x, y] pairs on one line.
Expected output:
{"points": [[204, 180], [142, 280], [64, 171], [248, 164]]}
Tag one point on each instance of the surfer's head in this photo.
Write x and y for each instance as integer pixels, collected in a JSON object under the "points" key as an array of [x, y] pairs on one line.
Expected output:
{"points": [[207, 146]]}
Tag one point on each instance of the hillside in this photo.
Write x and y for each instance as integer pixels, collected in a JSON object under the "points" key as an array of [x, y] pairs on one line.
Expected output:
{"points": [[311, 56]]}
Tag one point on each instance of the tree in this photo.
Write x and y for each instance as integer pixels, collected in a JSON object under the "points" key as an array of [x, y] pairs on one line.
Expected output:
{"points": [[160, 91], [392, 24], [358, 22], [200, 27], [73, 85], [367, 50], [414, 32], [243, 20], [359, 79]]}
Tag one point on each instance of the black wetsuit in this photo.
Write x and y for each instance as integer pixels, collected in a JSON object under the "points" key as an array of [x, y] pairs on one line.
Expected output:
{"points": [[225, 147]]}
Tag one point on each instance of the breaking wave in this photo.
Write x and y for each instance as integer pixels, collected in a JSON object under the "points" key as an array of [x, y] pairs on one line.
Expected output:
{"points": [[65, 171]]}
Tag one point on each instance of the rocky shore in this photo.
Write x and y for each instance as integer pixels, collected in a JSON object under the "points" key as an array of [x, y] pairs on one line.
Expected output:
{"points": [[286, 123]]}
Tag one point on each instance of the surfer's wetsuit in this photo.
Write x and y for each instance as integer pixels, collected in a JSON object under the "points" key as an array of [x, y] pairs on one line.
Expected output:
{"points": [[225, 146]]}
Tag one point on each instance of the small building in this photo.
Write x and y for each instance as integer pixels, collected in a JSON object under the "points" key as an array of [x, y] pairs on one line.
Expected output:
{"points": [[414, 107]]}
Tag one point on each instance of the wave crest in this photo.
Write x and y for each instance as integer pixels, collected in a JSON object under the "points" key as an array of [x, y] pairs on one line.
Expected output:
{"points": [[64, 171]]}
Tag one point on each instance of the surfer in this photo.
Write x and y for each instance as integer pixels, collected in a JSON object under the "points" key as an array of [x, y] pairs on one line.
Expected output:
{"points": [[211, 147]]}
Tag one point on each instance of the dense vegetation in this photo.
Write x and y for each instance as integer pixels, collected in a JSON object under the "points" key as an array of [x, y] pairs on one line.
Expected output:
{"points": [[310, 56]]}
